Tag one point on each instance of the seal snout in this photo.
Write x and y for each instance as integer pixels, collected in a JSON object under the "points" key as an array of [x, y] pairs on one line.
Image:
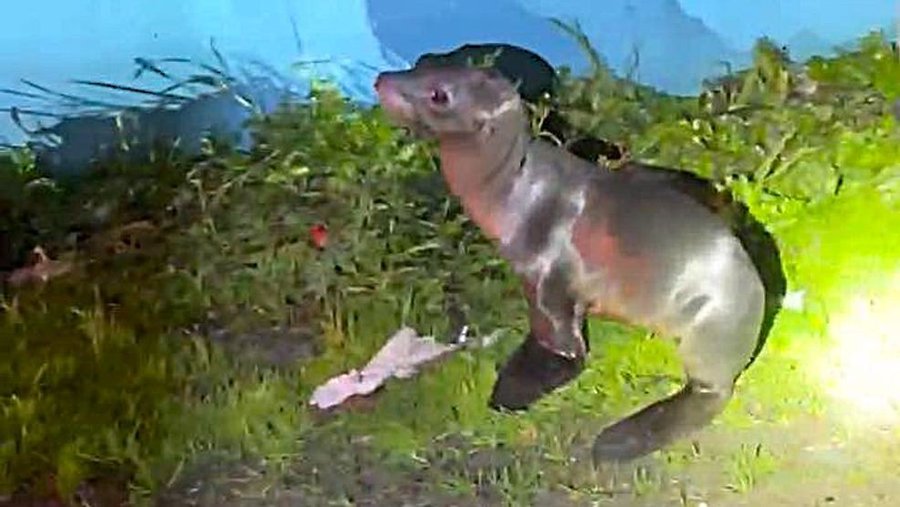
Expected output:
{"points": [[384, 86], [388, 83], [381, 80], [391, 97]]}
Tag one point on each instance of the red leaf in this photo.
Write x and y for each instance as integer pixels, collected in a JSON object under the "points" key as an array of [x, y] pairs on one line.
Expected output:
{"points": [[318, 234]]}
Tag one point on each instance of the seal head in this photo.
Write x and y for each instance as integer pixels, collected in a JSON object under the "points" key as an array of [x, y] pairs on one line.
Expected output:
{"points": [[437, 102]]}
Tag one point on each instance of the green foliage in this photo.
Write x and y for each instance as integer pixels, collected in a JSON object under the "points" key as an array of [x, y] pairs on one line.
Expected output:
{"points": [[394, 234], [874, 65], [237, 251], [22, 194], [79, 382]]}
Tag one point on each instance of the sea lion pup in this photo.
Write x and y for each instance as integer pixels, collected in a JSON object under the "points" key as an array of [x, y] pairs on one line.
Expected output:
{"points": [[617, 244]]}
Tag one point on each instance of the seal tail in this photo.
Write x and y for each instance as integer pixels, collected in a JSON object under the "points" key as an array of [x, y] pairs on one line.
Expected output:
{"points": [[660, 423]]}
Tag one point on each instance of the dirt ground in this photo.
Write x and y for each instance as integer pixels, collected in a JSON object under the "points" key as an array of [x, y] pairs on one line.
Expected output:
{"points": [[809, 462]]}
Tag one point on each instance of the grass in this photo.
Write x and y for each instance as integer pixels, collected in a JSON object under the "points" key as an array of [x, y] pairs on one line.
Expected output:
{"points": [[748, 465], [114, 371]]}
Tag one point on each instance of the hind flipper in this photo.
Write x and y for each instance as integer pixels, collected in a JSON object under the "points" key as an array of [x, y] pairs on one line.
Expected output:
{"points": [[535, 370], [715, 350], [660, 423]]}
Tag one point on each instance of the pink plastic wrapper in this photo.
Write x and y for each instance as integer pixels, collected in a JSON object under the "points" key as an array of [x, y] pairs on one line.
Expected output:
{"points": [[400, 357]]}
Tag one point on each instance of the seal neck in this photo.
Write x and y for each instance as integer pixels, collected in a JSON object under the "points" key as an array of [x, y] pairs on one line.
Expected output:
{"points": [[480, 168]]}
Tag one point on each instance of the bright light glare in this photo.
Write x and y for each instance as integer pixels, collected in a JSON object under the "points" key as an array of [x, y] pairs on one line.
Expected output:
{"points": [[862, 371]]}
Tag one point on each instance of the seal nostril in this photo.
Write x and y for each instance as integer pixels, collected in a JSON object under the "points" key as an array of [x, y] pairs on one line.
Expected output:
{"points": [[384, 84]]}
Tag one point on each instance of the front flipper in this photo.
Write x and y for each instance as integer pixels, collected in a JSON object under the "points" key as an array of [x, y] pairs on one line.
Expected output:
{"points": [[537, 367], [556, 318]]}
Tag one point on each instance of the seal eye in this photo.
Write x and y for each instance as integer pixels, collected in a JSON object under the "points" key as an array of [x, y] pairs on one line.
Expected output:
{"points": [[439, 97]]}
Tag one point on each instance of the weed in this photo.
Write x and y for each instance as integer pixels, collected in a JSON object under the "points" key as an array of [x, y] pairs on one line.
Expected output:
{"points": [[748, 465]]}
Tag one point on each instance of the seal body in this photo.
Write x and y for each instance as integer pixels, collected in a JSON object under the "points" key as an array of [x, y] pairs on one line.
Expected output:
{"points": [[639, 245]]}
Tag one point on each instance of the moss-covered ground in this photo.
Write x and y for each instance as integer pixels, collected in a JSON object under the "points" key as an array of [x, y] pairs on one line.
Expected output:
{"points": [[172, 364]]}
